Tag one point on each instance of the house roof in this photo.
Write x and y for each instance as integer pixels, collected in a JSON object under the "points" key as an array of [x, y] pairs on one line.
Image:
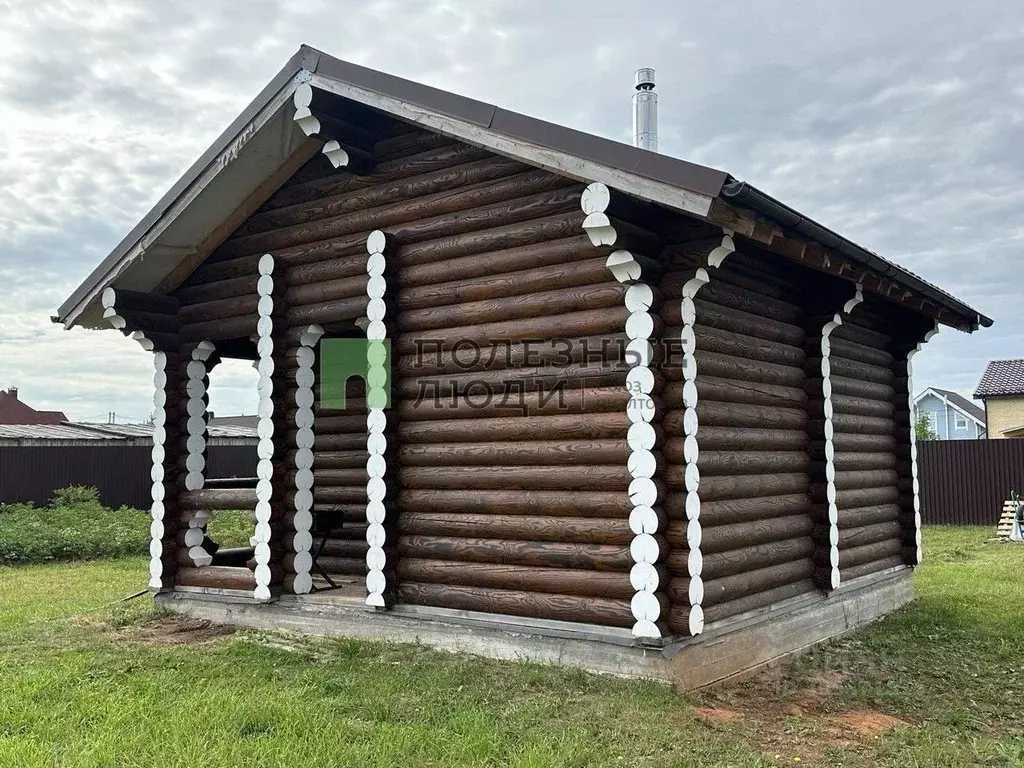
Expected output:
{"points": [[1001, 377], [957, 402], [263, 139], [14, 411], [87, 431]]}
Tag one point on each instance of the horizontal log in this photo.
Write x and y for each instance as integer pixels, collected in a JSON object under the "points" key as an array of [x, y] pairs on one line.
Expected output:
{"points": [[858, 443], [733, 320], [729, 391], [325, 313], [588, 400], [591, 477], [853, 406], [572, 530], [435, 152], [542, 304], [711, 414], [737, 438], [347, 566], [218, 309], [871, 478], [533, 453], [495, 355], [873, 566], [863, 461], [350, 264], [344, 442], [852, 330], [721, 294], [216, 577], [861, 353], [480, 385], [727, 588], [742, 560], [340, 459], [851, 387], [867, 497], [340, 425], [488, 198], [218, 498], [360, 199], [513, 428], [326, 290], [590, 610], [725, 538], [860, 516], [850, 369], [597, 504], [240, 326], [530, 279], [535, 232], [744, 346], [740, 487], [599, 557], [354, 476], [740, 462], [737, 369], [868, 534], [742, 510], [868, 552], [562, 581], [328, 495], [464, 275], [679, 616], [583, 323], [415, 143], [123, 299]]}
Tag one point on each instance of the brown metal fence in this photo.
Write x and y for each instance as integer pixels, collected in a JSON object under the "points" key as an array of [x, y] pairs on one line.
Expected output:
{"points": [[964, 482], [120, 472]]}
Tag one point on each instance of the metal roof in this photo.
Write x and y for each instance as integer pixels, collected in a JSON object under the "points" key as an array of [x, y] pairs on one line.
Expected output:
{"points": [[87, 431], [1001, 377], [262, 139]]}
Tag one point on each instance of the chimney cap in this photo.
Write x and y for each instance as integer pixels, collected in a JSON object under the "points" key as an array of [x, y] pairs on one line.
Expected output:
{"points": [[644, 79]]}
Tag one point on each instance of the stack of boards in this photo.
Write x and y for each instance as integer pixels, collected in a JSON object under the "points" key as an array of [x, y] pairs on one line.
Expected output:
{"points": [[1005, 526]]}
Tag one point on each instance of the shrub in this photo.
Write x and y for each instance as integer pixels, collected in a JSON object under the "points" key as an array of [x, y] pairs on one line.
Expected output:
{"points": [[76, 526]]}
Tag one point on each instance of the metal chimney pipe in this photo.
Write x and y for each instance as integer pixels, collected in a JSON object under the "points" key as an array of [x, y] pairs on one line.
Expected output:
{"points": [[645, 111]]}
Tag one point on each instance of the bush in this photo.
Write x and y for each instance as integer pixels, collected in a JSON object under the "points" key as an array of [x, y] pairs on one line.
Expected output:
{"points": [[76, 526]]}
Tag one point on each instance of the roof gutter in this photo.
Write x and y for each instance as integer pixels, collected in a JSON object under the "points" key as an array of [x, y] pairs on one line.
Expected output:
{"points": [[741, 193]]}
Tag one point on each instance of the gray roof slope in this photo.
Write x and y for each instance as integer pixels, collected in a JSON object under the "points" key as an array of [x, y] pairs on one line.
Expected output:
{"points": [[1001, 377], [662, 169], [961, 402]]}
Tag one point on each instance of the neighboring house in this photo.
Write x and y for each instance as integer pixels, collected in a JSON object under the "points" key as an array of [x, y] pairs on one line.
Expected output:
{"points": [[14, 411], [1002, 389], [951, 415]]}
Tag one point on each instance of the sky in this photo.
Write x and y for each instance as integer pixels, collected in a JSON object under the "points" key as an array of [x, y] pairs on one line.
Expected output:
{"points": [[899, 124]]}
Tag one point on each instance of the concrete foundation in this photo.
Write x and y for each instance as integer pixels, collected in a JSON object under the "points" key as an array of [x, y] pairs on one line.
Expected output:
{"points": [[736, 646]]}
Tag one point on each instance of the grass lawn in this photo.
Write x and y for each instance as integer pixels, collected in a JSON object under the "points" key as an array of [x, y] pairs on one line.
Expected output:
{"points": [[87, 683]]}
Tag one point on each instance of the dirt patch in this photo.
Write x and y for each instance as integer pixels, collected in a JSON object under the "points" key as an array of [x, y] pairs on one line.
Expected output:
{"points": [[718, 714], [863, 723], [815, 690], [178, 630]]}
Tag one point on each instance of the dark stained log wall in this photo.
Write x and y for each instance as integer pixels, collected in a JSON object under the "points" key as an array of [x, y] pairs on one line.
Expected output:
{"points": [[754, 450]]}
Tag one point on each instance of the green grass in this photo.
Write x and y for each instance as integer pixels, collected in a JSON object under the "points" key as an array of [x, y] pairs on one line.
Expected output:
{"points": [[87, 683], [75, 526]]}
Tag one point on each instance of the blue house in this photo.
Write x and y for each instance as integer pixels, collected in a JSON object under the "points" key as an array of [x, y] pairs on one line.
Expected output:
{"points": [[951, 415]]}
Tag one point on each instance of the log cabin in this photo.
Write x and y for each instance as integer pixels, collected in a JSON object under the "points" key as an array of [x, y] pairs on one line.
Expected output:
{"points": [[639, 415]]}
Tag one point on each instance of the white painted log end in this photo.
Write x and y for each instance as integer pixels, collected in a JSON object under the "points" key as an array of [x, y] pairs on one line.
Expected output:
{"points": [[335, 154], [596, 198]]}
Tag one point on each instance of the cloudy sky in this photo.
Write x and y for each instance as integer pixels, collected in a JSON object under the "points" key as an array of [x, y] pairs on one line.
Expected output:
{"points": [[898, 123]]}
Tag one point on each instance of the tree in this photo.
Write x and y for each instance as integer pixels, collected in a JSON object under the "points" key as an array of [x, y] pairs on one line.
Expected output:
{"points": [[923, 428]]}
